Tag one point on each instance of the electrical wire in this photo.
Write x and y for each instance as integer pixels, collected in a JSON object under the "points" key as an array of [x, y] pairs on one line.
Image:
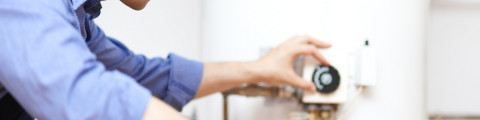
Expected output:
{"points": [[347, 107]]}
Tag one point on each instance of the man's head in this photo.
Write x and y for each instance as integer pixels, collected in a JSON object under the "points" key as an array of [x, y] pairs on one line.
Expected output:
{"points": [[135, 4]]}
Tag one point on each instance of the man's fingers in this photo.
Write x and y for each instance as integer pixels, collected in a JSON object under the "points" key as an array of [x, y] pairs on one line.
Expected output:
{"points": [[320, 58], [319, 44], [316, 42], [312, 50], [299, 82]]}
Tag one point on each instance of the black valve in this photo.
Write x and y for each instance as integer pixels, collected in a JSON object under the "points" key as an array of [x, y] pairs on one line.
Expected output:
{"points": [[326, 78]]}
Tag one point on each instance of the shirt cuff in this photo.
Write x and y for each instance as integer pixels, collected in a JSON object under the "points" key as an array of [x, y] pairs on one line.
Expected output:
{"points": [[185, 78]]}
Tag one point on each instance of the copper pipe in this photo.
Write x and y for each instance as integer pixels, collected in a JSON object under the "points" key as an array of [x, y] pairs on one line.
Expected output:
{"points": [[451, 117], [251, 90], [225, 106]]}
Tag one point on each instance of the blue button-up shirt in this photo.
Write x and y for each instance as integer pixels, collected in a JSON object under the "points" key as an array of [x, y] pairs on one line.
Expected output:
{"points": [[59, 64]]}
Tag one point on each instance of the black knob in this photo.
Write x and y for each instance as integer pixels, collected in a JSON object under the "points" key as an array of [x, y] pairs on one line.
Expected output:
{"points": [[326, 79]]}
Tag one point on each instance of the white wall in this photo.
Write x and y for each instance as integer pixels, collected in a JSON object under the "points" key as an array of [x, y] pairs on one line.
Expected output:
{"points": [[164, 26], [453, 58]]}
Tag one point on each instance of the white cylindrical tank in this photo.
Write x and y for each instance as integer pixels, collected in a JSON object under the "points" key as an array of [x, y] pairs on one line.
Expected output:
{"points": [[238, 30]]}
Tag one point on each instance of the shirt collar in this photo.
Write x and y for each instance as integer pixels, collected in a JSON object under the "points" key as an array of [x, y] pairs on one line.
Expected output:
{"points": [[91, 3]]}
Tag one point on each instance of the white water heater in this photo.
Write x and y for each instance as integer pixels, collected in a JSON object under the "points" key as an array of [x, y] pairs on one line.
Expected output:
{"points": [[236, 30]]}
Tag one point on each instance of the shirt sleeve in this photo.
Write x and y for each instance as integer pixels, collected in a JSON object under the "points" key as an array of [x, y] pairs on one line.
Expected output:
{"points": [[175, 79], [47, 66]]}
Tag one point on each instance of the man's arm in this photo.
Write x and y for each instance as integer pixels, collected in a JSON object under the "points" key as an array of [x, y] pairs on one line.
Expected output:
{"points": [[158, 110], [274, 68]]}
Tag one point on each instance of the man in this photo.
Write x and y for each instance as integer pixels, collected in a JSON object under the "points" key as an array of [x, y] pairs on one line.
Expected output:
{"points": [[57, 64]]}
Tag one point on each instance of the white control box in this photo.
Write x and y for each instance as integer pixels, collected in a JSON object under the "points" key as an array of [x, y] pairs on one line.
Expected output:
{"points": [[364, 67]]}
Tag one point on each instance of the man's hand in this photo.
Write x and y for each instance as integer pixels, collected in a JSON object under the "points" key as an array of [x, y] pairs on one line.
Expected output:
{"points": [[276, 67]]}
